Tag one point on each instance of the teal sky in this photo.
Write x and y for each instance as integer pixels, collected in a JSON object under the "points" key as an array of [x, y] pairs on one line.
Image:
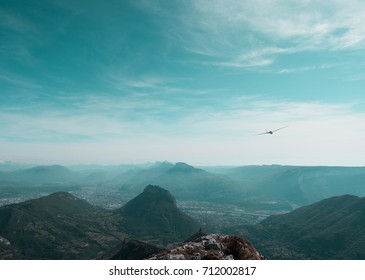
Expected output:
{"points": [[87, 81]]}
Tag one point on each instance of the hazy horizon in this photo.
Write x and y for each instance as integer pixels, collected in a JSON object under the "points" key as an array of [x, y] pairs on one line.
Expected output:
{"points": [[85, 82], [151, 163]]}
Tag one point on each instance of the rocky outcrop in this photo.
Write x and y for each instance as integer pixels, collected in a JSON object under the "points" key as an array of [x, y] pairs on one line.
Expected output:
{"points": [[212, 247]]}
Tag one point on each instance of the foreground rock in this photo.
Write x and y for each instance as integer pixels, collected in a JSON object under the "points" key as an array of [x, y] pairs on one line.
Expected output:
{"points": [[212, 247]]}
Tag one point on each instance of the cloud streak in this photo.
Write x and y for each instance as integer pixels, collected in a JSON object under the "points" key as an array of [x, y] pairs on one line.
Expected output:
{"points": [[253, 34]]}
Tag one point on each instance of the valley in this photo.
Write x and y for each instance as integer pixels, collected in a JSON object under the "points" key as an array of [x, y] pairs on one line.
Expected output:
{"points": [[218, 217]]}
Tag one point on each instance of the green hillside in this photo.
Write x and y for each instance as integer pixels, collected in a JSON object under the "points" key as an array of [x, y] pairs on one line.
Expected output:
{"points": [[333, 228]]}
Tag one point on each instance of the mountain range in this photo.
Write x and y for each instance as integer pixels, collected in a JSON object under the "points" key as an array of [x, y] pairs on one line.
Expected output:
{"points": [[62, 226], [326, 222], [266, 187]]}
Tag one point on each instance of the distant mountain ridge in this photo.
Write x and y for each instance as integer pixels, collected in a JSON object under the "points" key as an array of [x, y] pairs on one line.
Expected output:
{"points": [[184, 168], [9, 166], [40, 174]]}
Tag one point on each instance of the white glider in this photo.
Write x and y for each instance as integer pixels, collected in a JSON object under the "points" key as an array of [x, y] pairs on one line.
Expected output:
{"points": [[271, 131]]}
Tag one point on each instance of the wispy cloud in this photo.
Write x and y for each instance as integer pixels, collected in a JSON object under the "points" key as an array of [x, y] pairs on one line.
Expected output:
{"points": [[307, 24], [253, 34]]}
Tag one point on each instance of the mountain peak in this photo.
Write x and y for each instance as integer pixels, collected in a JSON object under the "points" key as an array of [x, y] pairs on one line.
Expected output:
{"points": [[152, 195], [59, 203], [155, 190], [184, 168], [156, 193], [155, 209]]}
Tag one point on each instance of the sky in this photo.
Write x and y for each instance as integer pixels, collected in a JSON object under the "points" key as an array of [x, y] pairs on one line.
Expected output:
{"points": [[111, 82]]}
